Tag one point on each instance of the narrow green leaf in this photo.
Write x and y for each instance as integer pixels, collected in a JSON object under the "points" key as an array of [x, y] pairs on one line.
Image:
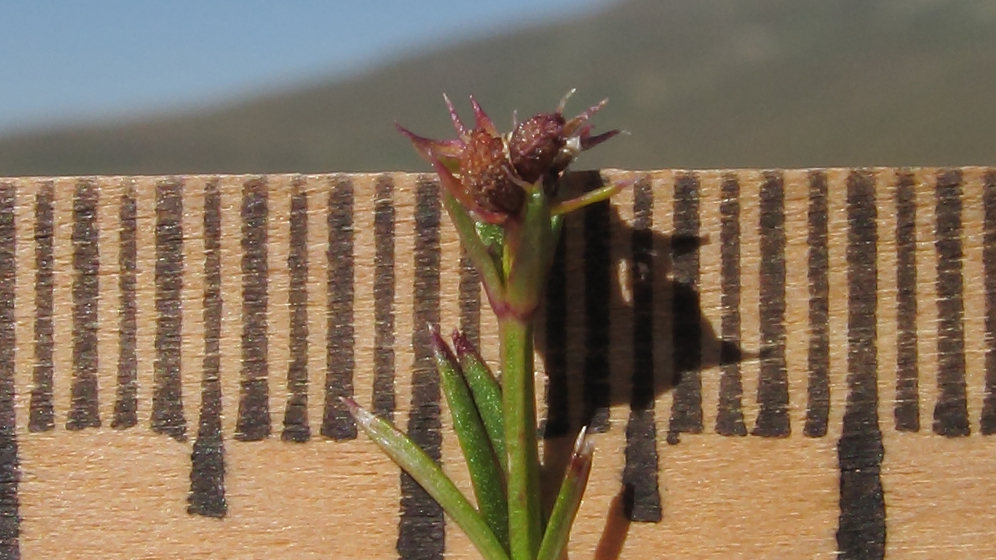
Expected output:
{"points": [[486, 475], [478, 252], [565, 509], [590, 197], [486, 391], [430, 476]]}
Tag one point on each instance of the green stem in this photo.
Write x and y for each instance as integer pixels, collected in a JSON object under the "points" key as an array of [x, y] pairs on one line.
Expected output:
{"points": [[525, 515]]}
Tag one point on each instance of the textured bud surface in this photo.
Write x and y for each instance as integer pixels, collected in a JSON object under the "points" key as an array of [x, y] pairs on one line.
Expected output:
{"points": [[535, 144], [488, 175]]}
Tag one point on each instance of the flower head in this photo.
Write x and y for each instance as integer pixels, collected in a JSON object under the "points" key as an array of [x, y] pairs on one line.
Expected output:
{"points": [[490, 173]]}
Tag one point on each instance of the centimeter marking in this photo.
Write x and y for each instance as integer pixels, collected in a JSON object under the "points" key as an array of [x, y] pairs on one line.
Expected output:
{"points": [[199, 226]]}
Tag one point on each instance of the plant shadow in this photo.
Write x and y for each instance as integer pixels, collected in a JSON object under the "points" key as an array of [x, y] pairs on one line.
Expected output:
{"points": [[658, 295]]}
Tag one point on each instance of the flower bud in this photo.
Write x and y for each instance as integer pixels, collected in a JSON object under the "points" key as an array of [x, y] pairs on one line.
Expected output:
{"points": [[488, 176], [534, 145]]}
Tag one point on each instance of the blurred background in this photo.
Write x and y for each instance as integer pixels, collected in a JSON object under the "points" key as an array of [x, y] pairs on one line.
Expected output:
{"points": [[253, 86]]}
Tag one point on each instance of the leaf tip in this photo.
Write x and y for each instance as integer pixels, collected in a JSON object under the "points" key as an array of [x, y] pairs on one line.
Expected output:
{"points": [[584, 451], [462, 346], [439, 346], [358, 412]]}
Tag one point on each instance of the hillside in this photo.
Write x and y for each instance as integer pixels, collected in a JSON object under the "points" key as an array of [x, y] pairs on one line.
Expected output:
{"points": [[711, 83]]}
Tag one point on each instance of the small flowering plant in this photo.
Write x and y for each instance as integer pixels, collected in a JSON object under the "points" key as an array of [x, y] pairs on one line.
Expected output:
{"points": [[501, 191]]}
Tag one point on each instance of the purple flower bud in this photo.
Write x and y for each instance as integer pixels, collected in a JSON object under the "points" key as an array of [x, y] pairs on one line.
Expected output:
{"points": [[534, 145]]}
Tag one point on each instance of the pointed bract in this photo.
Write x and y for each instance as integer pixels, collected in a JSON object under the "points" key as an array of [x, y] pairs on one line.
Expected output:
{"points": [[563, 100], [446, 151], [461, 130], [482, 119], [588, 142], [572, 126]]}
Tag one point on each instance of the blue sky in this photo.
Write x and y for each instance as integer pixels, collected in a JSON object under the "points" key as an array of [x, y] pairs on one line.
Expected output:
{"points": [[63, 62]]}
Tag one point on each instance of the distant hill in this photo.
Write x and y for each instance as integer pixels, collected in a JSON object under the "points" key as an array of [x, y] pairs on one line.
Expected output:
{"points": [[706, 83]]}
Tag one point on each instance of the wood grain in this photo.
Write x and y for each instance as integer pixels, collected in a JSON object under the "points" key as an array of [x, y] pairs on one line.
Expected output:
{"points": [[781, 363]]}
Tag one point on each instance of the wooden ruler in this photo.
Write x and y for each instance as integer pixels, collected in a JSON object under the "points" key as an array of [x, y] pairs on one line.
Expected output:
{"points": [[781, 364]]}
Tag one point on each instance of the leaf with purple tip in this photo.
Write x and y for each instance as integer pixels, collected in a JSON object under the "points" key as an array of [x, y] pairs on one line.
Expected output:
{"points": [[486, 391], [410, 457], [486, 474], [565, 509]]}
